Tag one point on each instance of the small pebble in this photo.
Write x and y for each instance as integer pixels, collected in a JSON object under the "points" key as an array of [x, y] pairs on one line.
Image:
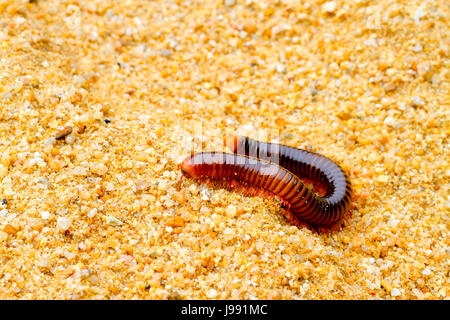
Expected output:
{"points": [[212, 293], [231, 211], [63, 223], [417, 101], [205, 194], [165, 52], [92, 213], [230, 3], [383, 179], [259, 245], [63, 133], [112, 221], [84, 194], [3, 171], [426, 272], [50, 141], [43, 263], [109, 186], [99, 169], [3, 236], [10, 229], [417, 48], [281, 68], [329, 6], [55, 164], [79, 171], [419, 14], [45, 215], [390, 87], [390, 121], [395, 292], [180, 197], [175, 222], [70, 139]]}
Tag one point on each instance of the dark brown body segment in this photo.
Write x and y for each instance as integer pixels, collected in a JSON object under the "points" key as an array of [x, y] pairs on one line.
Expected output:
{"points": [[326, 210]]}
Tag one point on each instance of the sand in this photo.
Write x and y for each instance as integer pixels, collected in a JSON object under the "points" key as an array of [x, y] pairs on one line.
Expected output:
{"points": [[101, 100]]}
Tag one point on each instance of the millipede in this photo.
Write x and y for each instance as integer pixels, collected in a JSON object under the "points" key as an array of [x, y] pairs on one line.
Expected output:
{"points": [[281, 171]]}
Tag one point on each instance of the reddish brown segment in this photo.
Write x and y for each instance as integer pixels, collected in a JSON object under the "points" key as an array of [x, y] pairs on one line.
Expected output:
{"points": [[305, 164], [304, 206]]}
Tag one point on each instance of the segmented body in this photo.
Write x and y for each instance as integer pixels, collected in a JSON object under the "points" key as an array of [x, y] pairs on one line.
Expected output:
{"points": [[305, 164], [303, 206]]}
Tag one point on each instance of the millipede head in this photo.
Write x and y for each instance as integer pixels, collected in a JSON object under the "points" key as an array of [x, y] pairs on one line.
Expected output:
{"points": [[187, 168]]}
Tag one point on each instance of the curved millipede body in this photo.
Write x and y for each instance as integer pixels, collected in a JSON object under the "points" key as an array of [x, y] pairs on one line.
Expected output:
{"points": [[252, 166], [304, 164]]}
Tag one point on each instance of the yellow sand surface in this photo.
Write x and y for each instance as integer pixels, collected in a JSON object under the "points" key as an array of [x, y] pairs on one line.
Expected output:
{"points": [[131, 87]]}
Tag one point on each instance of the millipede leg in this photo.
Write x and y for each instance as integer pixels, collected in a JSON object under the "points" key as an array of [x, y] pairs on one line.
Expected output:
{"points": [[180, 181]]}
